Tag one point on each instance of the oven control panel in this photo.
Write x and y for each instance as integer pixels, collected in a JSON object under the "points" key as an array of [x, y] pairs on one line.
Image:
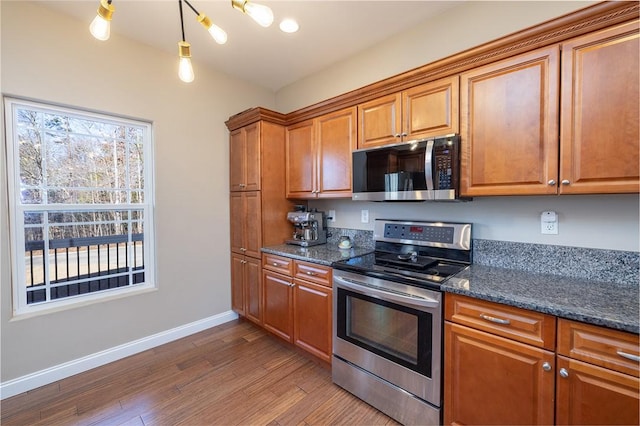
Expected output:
{"points": [[434, 234]]}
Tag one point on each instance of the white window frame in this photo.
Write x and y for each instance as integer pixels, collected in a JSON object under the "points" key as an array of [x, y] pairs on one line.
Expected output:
{"points": [[17, 210]]}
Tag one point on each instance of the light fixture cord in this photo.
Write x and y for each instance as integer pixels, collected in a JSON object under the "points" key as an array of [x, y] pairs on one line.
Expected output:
{"points": [[181, 20], [192, 8]]}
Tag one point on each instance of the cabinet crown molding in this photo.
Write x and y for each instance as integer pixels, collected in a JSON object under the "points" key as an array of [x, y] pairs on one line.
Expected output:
{"points": [[580, 22]]}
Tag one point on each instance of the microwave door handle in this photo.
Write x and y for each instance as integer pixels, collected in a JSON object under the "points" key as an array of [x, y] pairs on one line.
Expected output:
{"points": [[374, 291], [428, 168]]}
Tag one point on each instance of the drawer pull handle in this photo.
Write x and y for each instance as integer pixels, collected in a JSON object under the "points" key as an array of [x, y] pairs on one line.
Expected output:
{"points": [[564, 373], [632, 357], [546, 366], [495, 320], [313, 274], [275, 264]]}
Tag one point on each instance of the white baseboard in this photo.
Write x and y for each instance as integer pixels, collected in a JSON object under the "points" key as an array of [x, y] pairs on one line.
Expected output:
{"points": [[67, 369]]}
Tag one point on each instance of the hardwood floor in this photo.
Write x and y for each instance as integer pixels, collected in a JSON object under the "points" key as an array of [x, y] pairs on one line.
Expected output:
{"points": [[232, 374]]}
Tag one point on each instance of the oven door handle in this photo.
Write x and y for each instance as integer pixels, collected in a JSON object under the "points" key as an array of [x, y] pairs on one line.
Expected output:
{"points": [[379, 293]]}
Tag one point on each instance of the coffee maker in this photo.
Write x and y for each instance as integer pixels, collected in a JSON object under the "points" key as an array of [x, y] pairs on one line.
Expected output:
{"points": [[309, 228]]}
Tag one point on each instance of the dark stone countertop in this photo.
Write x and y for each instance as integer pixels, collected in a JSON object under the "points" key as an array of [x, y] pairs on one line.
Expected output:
{"points": [[609, 304], [324, 254]]}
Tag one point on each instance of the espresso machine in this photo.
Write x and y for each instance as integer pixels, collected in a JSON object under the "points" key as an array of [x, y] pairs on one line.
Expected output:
{"points": [[309, 228]]}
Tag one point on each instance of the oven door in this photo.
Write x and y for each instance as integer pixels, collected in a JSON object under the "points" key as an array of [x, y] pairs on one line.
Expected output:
{"points": [[390, 330]]}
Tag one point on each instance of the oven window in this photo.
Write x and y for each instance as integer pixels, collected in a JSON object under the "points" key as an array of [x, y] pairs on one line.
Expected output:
{"points": [[395, 332]]}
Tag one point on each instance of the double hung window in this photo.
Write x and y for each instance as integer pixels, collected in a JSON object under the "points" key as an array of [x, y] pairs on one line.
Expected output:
{"points": [[81, 204]]}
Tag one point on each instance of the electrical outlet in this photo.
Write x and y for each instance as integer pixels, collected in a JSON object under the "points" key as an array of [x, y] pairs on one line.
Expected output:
{"points": [[331, 217], [549, 223], [364, 216]]}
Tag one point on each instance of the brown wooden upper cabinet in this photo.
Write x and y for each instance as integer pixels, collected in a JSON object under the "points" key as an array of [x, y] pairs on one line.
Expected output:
{"points": [[509, 125], [318, 156], [430, 109], [599, 112], [511, 140], [244, 154]]}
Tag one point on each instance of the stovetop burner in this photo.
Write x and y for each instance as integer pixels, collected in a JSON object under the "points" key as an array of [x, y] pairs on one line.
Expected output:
{"points": [[410, 261], [423, 254]]}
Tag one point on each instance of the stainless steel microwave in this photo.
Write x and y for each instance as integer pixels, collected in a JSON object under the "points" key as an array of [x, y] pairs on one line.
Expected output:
{"points": [[421, 170]]}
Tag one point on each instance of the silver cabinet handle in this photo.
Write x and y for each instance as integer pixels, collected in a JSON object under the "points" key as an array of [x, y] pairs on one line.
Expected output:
{"points": [[495, 320], [241, 185], [565, 182], [546, 366], [275, 264], [564, 373], [551, 182], [632, 357], [397, 135], [404, 134], [292, 285], [313, 274]]}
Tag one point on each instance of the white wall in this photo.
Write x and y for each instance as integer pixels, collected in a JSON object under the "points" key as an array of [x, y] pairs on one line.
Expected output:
{"points": [[468, 25], [609, 222], [53, 58]]}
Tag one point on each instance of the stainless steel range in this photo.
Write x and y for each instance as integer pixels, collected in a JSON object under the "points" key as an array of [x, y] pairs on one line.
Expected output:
{"points": [[388, 319]]}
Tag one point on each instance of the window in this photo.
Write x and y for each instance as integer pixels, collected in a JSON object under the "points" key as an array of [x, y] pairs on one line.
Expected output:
{"points": [[81, 204]]}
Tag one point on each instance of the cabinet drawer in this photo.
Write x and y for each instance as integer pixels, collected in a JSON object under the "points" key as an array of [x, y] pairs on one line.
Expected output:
{"points": [[522, 325], [283, 265], [613, 349], [313, 272]]}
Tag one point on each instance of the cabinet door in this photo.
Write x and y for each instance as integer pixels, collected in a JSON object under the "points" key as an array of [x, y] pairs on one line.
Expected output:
{"points": [[599, 148], [244, 155], [252, 158], [312, 318], [277, 302], [590, 395], [253, 289], [509, 126], [300, 161], [336, 139], [237, 148], [253, 224], [431, 109], [237, 283], [246, 223], [493, 380], [380, 121], [238, 217]]}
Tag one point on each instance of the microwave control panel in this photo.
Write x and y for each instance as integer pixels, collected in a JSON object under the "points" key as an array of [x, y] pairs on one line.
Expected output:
{"points": [[446, 170]]}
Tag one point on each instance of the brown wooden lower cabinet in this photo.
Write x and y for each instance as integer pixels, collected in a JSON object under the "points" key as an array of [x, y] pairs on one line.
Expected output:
{"points": [[496, 373], [297, 303], [591, 395], [277, 291], [492, 380], [312, 318], [246, 288]]}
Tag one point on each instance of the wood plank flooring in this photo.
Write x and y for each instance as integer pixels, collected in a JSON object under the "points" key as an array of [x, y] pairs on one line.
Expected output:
{"points": [[233, 374]]}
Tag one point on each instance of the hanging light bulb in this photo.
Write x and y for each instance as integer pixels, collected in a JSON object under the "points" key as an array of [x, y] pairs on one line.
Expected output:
{"points": [[101, 25], [185, 69], [260, 13], [218, 34]]}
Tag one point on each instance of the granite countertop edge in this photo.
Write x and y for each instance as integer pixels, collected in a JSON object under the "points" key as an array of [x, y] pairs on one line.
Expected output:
{"points": [[608, 304], [324, 254]]}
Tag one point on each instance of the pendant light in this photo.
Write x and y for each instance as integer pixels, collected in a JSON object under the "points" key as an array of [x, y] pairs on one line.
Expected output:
{"points": [[259, 13], [100, 27], [185, 69]]}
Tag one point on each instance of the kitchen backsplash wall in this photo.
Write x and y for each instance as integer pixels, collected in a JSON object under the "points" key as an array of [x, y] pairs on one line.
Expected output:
{"points": [[620, 266], [359, 238], [593, 264]]}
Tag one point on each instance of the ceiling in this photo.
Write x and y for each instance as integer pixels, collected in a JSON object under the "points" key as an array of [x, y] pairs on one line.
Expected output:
{"points": [[330, 31]]}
